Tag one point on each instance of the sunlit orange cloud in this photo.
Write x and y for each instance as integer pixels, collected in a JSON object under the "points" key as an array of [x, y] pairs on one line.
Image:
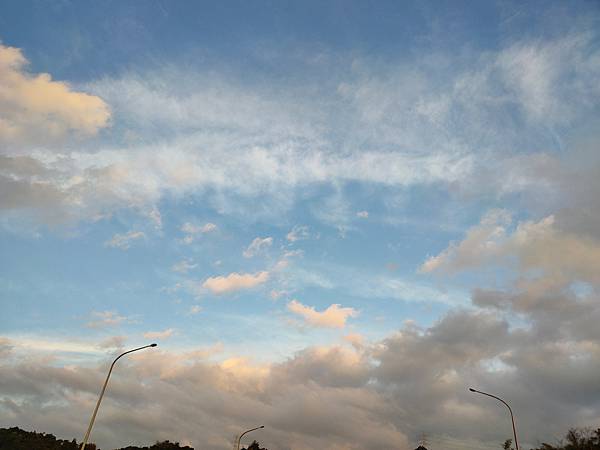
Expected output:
{"points": [[34, 107]]}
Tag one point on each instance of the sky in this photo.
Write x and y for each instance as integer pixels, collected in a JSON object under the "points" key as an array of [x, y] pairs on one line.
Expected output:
{"points": [[333, 218]]}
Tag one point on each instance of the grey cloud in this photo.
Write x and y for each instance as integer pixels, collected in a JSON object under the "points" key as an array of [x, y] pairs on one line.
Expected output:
{"points": [[378, 397], [21, 194], [5, 347], [331, 367]]}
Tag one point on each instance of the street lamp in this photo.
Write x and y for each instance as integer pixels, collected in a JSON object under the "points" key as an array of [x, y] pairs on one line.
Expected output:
{"points": [[512, 417], [237, 447], [89, 430]]}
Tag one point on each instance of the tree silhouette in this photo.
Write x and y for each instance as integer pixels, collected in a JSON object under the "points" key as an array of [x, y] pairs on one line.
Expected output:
{"points": [[164, 445], [254, 446], [16, 439], [577, 439], [507, 445]]}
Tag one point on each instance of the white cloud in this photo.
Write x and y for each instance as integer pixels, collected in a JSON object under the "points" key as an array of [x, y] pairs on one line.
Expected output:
{"points": [[541, 76], [362, 214], [192, 230], [299, 232], [276, 294], [165, 334], [194, 309], [235, 281], [155, 216], [123, 241], [35, 344], [103, 319], [276, 145], [116, 342], [36, 109], [257, 246], [183, 266], [333, 317]]}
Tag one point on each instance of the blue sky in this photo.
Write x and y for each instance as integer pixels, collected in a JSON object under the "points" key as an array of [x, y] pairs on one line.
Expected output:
{"points": [[271, 185]]}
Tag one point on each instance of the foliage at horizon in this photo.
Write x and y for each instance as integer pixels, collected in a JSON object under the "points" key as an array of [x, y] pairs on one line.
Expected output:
{"points": [[576, 439], [17, 439], [254, 446]]}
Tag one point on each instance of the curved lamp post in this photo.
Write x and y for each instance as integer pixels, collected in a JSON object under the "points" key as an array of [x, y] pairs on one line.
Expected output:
{"points": [[512, 417], [89, 430], [239, 439]]}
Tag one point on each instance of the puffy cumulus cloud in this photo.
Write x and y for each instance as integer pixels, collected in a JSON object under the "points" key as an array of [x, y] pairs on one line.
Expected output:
{"points": [[551, 276], [327, 366], [258, 245], [562, 257], [372, 396], [165, 334], [235, 281], [316, 400], [36, 109], [357, 340], [334, 316], [482, 242], [567, 185], [550, 280], [123, 241]]}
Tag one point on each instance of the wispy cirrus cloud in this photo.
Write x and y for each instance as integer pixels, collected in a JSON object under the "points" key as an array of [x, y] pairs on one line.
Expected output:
{"points": [[192, 230], [183, 266], [102, 319], [403, 119], [257, 246], [164, 334], [298, 233], [124, 241]]}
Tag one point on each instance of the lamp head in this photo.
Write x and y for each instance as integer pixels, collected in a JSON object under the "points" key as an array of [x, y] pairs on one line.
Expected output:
{"points": [[262, 426], [153, 345], [472, 390]]}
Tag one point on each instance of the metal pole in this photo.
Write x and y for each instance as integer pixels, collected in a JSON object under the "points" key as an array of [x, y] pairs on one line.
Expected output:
{"points": [[239, 439], [89, 430], [512, 417]]}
